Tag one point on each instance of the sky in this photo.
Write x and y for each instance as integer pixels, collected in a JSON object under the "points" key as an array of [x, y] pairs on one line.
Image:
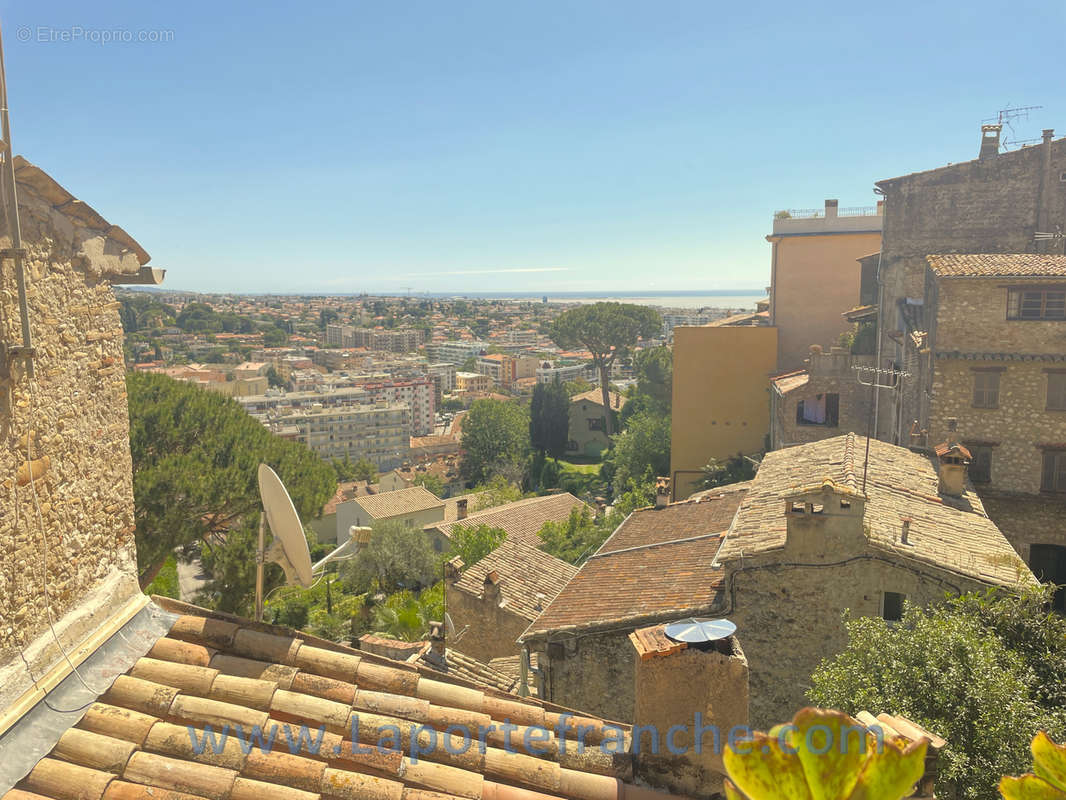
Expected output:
{"points": [[504, 146]]}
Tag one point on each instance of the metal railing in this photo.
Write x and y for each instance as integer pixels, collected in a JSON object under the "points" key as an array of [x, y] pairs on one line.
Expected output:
{"points": [[819, 213]]}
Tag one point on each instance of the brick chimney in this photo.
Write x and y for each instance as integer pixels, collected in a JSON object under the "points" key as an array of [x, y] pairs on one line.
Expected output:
{"points": [[662, 492], [990, 141], [673, 681], [491, 586], [953, 460], [460, 508]]}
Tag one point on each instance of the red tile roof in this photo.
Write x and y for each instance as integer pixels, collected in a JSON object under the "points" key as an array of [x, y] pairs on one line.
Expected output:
{"points": [[997, 265], [525, 572], [522, 519]]}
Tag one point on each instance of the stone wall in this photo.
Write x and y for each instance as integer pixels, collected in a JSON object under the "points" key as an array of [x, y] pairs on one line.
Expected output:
{"points": [[488, 630], [591, 671], [1027, 520], [72, 529], [830, 372], [790, 617]]}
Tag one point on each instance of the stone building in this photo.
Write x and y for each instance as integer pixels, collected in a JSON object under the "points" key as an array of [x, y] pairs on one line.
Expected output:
{"points": [[493, 601], [588, 423], [67, 554], [816, 532]]}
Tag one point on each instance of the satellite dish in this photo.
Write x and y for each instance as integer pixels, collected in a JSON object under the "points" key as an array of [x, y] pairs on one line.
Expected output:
{"points": [[290, 544], [695, 630]]}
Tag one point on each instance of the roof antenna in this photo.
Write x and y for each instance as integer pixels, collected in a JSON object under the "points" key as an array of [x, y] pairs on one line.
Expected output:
{"points": [[895, 377], [1005, 116]]}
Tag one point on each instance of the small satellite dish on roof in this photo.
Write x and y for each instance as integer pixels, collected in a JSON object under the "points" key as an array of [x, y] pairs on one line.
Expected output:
{"points": [[289, 547], [696, 630]]}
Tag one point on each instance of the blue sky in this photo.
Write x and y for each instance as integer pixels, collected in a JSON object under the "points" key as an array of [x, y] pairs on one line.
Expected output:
{"points": [[498, 146]]}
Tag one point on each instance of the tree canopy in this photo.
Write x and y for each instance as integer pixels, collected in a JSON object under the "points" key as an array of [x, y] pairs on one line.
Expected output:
{"points": [[195, 462], [398, 557], [549, 419], [642, 451], [473, 542], [984, 671], [608, 331], [495, 440]]}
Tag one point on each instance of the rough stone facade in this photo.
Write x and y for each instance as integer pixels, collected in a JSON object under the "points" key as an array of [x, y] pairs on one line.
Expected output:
{"points": [[989, 205], [489, 629], [591, 671], [827, 373], [72, 528]]}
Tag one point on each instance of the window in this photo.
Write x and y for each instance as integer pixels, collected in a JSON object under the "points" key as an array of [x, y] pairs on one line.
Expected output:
{"points": [[1043, 303], [1056, 391], [986, 388], [822, 409], [596, 424], [1048, 562], [980, 463], [892, 606], [1053, 478]]}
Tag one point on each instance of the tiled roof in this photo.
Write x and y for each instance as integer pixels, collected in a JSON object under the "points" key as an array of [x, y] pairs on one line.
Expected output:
{"points": [[522, 519], [402, 501], [451, 504], [997, 265], [218, 670], [346, 491], [511, 666], [658, 563], [596, 396], [953, 533], [791, 381], [460, 665], [524, 573]]}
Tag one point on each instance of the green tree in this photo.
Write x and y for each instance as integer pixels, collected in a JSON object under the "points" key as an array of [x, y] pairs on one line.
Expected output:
{"points": [[398, 557], [549, 419], [195, 463], [654, 370], [984, 671], [406, 615], [273, 378], [497, 492], [199, 318], [642, 451], [495, 440], [722, 473], [327, 316], [472, 543], [574, 539], [607, 331], [365, 470], [430, 482], [470, 365]]}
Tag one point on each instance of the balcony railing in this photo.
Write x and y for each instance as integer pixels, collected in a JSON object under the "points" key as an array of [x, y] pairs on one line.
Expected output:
{"points": [[819, 213]]}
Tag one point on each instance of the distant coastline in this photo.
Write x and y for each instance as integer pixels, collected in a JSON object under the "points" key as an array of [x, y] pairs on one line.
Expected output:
{"points": [[726, 298]]}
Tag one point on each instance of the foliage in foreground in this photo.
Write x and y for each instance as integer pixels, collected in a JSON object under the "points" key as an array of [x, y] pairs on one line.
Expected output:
{"points": [[1047, 781], [984, 671], [822, 754]]}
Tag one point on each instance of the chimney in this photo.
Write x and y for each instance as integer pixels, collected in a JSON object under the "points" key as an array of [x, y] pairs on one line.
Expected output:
{"points": [[491, 586], [437, 643], [1046, 135], [990, 141], [905, 530], [460, 508], [880, 208], [673, 681], [453, 569], [662, 492], [953, 458], [831, 208]]}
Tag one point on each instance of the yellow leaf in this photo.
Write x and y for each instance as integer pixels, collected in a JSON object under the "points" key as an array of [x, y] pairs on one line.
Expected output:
{"points": [[1029, 787], [1049, 760]]}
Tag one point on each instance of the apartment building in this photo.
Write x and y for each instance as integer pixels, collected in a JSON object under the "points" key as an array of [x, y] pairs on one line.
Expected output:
{"points": [[456, 352], [505, 370], [815, 274], [443, 377], [404, 340], [379, 432], [472, 382], [418, 394], [548, 372]]}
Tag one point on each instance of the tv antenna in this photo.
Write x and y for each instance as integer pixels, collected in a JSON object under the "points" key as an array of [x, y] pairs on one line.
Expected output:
{"points": [[1006, 117], [289, 546]]}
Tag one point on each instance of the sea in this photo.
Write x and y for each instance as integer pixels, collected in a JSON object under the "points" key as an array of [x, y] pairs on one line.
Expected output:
{"points": [[741, 299]]}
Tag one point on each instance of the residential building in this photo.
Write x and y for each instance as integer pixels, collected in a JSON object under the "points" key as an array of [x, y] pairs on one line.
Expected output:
{"points": [[721, 401], [338, 335], [494, 600], [378, 432], [417, 393], [588, 422], [819, 530], [414, 507], [548, 372], [815, 275], [505, 370], [443, 377], [472, 382], [456, 352], [521, 520]]}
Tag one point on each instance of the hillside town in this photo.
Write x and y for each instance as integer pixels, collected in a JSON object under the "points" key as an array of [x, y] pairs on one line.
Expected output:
{"points": [[429, 546]]}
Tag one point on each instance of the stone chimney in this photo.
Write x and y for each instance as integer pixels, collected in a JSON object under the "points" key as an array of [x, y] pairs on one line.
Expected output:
{"points": [[990, 141], [954, 459], [491, 586], [460, 508], [673, 682], [831, 208], [453, 569], [436, 639], [662, 492], [824, 521]]}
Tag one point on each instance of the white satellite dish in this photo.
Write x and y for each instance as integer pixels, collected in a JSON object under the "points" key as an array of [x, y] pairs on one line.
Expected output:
{"points": [[289, 547]]}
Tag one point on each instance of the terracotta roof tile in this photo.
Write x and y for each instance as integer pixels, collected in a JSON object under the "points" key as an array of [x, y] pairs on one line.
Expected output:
{"points": [[525, 572], [997, 265], [402, 501], [522, 519], [658, 563], [135, 742]]}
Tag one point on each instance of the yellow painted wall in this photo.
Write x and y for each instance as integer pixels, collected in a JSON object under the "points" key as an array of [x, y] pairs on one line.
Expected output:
{"points": [[721, 400], [815, 280]]}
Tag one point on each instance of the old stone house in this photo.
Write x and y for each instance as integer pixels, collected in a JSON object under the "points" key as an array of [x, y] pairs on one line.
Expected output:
{"points": [[814, 533], [494, 600], [415, 507], [588, 422]]}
